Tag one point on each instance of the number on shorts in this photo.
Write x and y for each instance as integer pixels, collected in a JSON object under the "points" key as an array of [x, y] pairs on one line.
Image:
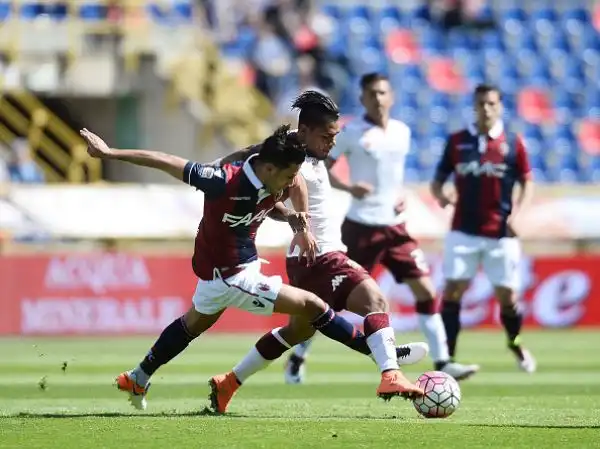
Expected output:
{"points": [[419, 257]]}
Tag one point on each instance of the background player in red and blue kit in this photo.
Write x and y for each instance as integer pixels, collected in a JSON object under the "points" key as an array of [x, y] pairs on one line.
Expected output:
{"points": [[237, 198], [487, 161]]}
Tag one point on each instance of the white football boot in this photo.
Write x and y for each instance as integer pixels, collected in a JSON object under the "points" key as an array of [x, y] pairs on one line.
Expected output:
{"points": [[459, 371]]}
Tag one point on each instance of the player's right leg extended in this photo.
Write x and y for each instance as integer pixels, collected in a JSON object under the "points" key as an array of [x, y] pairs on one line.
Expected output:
{"points": [[379, 340], [171, 342]]}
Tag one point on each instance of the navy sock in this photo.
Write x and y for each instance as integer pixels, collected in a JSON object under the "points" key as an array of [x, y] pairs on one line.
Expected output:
{"points": [[172, 341], [339, 329], [512, 320], [451, 318]]}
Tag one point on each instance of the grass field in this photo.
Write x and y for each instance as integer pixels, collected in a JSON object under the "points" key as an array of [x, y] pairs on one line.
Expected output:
{"points": [[337, 408]]}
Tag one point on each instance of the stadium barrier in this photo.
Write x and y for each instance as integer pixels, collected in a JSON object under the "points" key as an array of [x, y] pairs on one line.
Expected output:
{"points": [[113, 293]]}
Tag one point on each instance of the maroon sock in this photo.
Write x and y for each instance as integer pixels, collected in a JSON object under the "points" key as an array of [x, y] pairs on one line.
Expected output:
{"points": [[376, 321], [269, 347]]}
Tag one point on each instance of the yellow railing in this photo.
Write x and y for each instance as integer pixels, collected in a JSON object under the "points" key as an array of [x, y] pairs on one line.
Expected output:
{"points": [[58, 149]]}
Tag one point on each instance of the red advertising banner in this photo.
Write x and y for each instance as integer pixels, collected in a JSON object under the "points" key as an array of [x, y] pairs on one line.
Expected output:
{"points": [[120, 293]]}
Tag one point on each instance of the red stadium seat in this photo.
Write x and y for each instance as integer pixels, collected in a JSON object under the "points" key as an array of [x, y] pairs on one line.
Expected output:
{"points": [[444, 75], [589, 136], [535, 106], [402, 47]]}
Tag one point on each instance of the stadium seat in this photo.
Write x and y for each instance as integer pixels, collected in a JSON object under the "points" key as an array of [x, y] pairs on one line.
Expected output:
{"points": [[183, 10], [543, 20], [92, 11], [589, 136], [30, 11], [443, 75], [5, 11], [331, 10], [386, 20], [402, 47], [574, 20], [513, 20]]}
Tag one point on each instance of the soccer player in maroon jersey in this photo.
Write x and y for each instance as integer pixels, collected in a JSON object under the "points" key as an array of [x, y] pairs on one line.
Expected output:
{"points": [[374, 230], [332, 275], [237, 198], [487, 160]]}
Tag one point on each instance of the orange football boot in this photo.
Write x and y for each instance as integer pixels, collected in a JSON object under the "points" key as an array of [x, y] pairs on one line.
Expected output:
{"points": [[394, 383], [223, 388], [137, 394]]}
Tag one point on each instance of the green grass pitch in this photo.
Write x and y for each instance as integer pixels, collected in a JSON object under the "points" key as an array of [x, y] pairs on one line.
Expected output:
{"points": [[79, 407]]}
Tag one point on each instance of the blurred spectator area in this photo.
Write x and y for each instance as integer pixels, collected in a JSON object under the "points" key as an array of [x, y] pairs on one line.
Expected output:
{"points": [[544, 56]]}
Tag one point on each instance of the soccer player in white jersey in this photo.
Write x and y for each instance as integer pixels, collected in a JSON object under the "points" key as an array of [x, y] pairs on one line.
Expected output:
{"points": [[340, 281], [374, 230]]}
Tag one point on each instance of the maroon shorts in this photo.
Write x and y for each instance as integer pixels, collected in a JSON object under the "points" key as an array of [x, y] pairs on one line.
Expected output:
{"points": [[391, 246], [332, 277]]}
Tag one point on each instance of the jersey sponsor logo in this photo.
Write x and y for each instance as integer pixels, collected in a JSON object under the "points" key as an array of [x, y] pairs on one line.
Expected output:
{"points": [[475, 168], [245, 220], [337, 281], [263, 287], [209, 172], [239, 198]]}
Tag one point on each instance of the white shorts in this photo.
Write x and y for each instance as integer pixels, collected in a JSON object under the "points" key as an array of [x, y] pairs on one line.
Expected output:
{"points": [[247, 290], [464, 253]]}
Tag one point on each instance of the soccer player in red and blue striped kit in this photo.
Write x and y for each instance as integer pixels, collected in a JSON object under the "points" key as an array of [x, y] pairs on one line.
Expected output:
{"points": [[237, 198], [487, 161]]}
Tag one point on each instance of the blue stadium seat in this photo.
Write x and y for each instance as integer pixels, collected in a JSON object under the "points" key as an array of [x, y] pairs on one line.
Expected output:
{"points": [[92, 11], [386, 19], [183, 10], [574, 20], [418, 17], [56, 11], [513, 20], [30, 11], [543, 20], [5, 11], [331, 10]]}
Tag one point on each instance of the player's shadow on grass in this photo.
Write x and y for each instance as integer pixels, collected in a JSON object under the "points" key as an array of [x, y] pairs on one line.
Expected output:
{"points": [[534, 426], [175, 413], [59, 415]]}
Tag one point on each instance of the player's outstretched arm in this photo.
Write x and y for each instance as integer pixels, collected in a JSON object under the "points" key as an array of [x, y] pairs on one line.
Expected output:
{"points": [[171, 164]]}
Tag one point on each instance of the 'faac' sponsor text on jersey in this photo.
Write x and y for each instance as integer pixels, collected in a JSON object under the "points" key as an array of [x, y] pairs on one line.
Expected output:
{"points": [[485, 170]]}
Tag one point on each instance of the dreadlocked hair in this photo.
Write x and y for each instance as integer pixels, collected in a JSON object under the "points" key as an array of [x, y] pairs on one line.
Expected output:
{"points": [[282, 148], [315, 109]]}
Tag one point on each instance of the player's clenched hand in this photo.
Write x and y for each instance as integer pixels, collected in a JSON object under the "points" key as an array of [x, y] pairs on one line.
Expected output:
{"points": [[446, 200], [360, 190], [307, 244], [96, 146]]}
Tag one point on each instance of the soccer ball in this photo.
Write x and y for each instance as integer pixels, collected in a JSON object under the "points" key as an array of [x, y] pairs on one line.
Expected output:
{"points": [[442, 395]]}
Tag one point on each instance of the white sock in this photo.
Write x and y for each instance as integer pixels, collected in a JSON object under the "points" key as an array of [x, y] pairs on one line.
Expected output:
{"points": [[253, 362], [140, 377], [433, 328], [301, 350], [383, 347]]}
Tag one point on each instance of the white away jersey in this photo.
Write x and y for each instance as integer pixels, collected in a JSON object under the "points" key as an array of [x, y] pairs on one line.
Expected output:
{"points": [[325, 230], [376, 156]]}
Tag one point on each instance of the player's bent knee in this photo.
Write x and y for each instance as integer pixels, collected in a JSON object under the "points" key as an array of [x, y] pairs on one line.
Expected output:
{"points": [[294, 301], [367, 298], [197, 323]]}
